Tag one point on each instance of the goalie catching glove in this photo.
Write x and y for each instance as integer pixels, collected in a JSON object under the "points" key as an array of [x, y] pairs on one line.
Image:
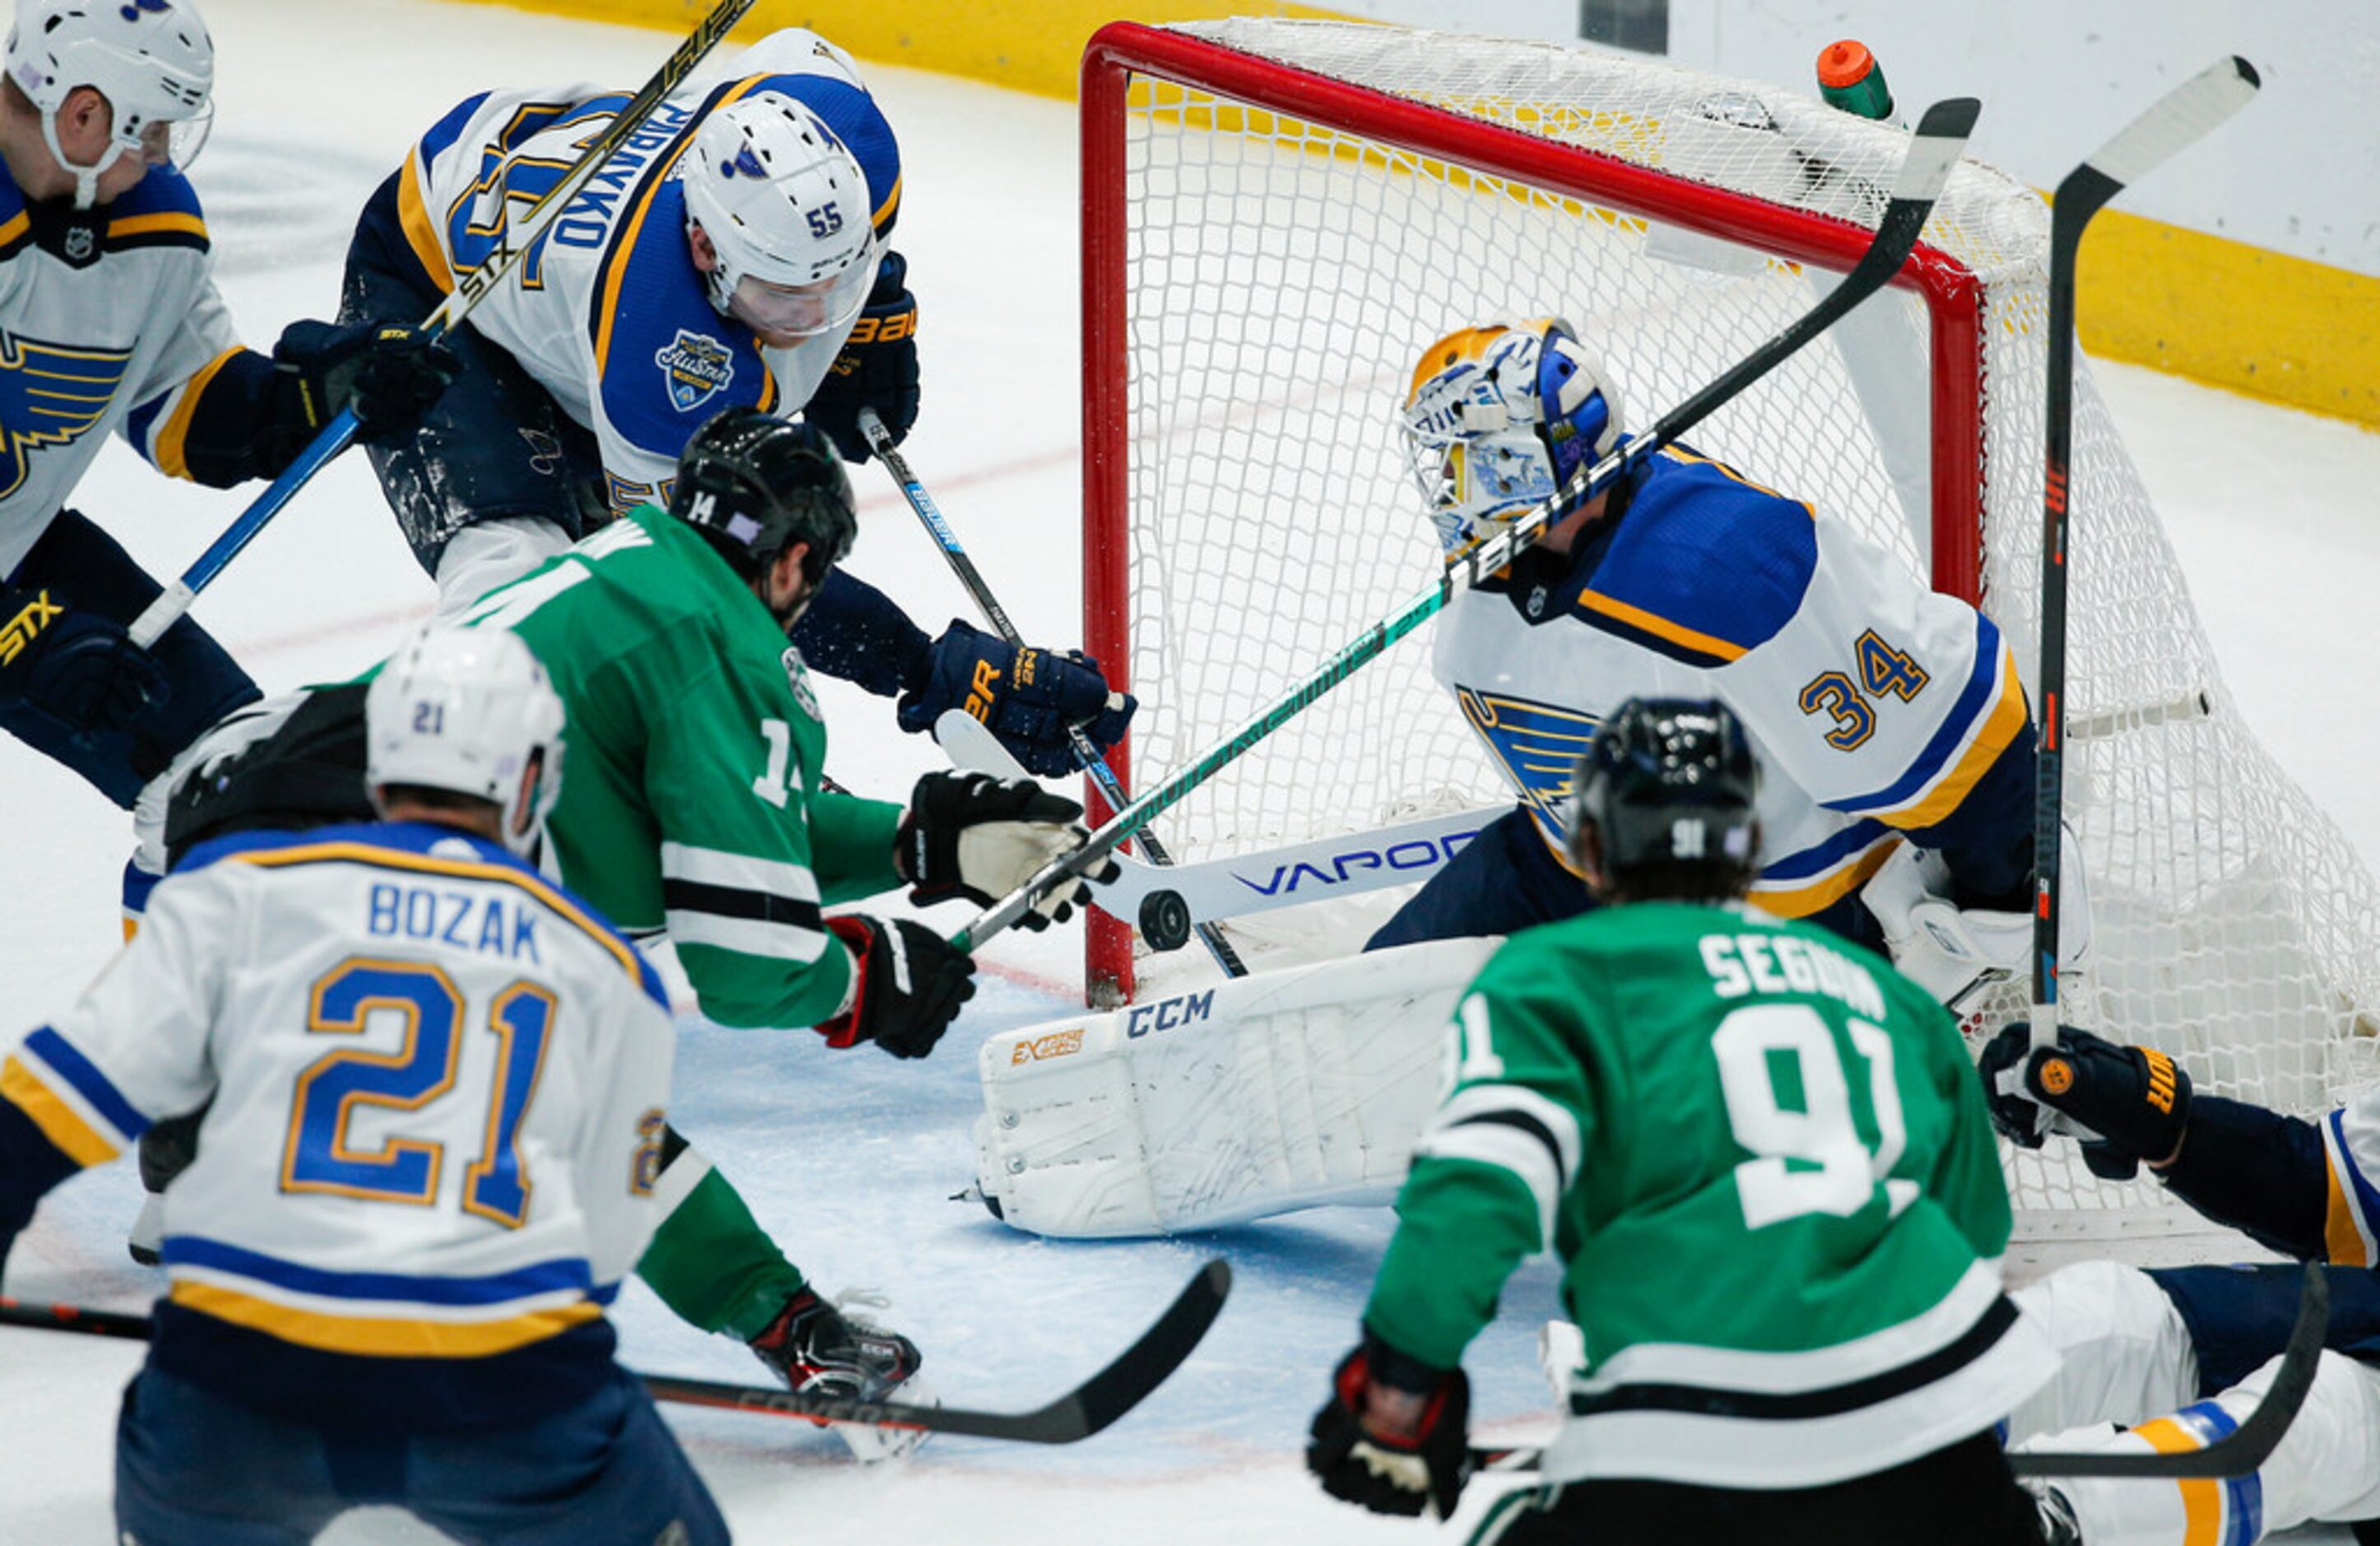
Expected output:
{"points": [[907, 983], [2125, 1104], [1393, 1436], [981, 838], [1028, 698]]}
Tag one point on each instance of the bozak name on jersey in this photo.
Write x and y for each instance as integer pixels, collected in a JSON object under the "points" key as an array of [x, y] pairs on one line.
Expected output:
{"points": [[1764, 1162]]}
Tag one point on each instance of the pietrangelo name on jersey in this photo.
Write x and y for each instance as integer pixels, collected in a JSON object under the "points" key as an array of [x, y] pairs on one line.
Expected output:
{"points": [[1741, 963], [486, 921]]}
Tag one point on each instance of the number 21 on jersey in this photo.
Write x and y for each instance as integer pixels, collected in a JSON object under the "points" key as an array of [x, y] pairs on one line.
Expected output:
{"points": [[319, 1155]]}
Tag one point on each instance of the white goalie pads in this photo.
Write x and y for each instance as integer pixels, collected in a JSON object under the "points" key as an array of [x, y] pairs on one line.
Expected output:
{"points": [[1959, 954], [1262, 1095]]}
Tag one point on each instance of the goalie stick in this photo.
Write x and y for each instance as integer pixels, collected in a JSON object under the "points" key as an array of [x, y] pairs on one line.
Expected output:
{"points": [[513, 242], [2237, 1454], [1090, 1407], [1934, 151], [880, 440], [2172, 124]]}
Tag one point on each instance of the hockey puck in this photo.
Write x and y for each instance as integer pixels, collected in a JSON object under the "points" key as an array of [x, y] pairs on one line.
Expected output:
{"points": [[1165, 920]]}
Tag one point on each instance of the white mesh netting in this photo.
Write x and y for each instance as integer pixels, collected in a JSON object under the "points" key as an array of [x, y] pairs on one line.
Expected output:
{"points": [[1282, 274]]}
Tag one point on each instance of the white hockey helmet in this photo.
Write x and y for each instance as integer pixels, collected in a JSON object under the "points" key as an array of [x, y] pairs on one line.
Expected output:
{"points": [[469, 710], [786, 208], [1497, 417], [151, 59]]}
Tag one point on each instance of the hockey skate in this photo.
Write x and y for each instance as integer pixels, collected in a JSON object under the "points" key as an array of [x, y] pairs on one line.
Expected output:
{"points": [[813, 1347]]}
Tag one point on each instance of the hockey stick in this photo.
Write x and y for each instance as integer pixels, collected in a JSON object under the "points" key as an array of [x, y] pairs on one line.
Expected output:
{"points": [[880, 440], [1081, 1412], [2237, 1454], [513, 242], [2174, 123], [1932, 151]]}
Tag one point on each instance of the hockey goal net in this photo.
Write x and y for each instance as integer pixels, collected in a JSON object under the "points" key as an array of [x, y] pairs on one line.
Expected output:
{"points": [[1279, 215]]}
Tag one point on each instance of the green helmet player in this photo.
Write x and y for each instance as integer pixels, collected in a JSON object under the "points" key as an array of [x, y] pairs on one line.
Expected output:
{"points": [[1764, 1161]]}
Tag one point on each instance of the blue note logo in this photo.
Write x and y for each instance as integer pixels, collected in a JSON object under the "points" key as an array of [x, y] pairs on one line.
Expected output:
{"points": [[50, 395], [699, 367], [1537, 745]]}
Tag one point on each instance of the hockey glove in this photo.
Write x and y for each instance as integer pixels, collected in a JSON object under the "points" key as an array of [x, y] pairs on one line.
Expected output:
{"points": [[980, 838], [2125, 1104], [73, 666], [1027, 697], [1393, 1436], [878, 367], [907, 983], [390, 373]]}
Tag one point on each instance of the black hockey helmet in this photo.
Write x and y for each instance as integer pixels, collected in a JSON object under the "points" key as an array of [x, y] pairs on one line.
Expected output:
{"points": [[755, 484], [1665, 801]]}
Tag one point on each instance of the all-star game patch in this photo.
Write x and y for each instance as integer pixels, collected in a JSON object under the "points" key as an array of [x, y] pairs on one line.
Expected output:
{"points": [[698, 367], [798, 675]]}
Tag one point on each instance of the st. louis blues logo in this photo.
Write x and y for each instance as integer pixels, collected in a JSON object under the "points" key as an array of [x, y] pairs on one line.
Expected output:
{"points": [[1537, 745], [50, 395], [747, 163], [698, 367]]}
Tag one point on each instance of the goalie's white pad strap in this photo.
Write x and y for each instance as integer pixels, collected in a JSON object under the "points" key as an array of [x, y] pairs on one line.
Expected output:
{"points": [[1282, 1090]]}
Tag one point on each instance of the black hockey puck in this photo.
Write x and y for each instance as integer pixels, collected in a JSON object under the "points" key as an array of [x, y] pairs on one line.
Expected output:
{"points": [[1165, 920]]}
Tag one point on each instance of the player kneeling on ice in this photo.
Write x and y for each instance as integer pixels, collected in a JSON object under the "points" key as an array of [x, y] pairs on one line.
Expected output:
{"points": [[390, 1258], [2202, 1344], [113, 326], [699, 808], [1891, 719], [1763, 1157], [735, 254]]}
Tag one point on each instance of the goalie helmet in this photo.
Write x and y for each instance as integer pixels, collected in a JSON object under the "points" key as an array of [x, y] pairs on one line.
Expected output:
{"points": [[151, 59], [755, 484], [471, 712], [1499, 417], [786, 209], [1665, 801]]}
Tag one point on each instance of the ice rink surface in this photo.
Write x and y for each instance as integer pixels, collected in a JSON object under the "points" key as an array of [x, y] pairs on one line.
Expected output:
{"points": [[851, 1158]]}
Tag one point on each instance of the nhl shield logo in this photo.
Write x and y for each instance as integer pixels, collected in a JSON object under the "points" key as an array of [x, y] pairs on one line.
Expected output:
{"points": [[699, 367]]}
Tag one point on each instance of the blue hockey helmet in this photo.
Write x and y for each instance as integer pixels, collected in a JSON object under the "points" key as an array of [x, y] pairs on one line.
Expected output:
{"points": [[1665, 801], [1499, 418]]}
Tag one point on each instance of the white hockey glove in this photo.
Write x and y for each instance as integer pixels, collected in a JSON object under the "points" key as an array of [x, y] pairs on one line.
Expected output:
{"points": [[1957, 955], [980, 838]]}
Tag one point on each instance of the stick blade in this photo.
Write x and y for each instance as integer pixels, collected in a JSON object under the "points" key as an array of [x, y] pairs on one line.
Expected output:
{"points": [[2177, 121]]}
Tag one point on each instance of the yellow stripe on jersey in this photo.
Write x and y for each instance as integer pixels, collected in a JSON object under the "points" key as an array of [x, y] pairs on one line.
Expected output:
{"points": [[2342, 1238], [394, 858], [2202, 1497], [885, 211], [18, 227], [618, 271], [171, 452], [420, 231], [1806, 897], [59, 1123], [2000, 727], [1660, 628], [382, 1337], [148, 225]]}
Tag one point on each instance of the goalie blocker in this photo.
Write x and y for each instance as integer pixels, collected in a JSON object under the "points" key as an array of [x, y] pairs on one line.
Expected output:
{"points": [[1261, 1095]]}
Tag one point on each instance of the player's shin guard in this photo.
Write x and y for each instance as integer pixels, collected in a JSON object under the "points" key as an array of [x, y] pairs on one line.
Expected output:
{"points": [[711, 1261]]}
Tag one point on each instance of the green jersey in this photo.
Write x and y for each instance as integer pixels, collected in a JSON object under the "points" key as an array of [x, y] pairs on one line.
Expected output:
{"points": [[691, 798], [1764, 1158]]}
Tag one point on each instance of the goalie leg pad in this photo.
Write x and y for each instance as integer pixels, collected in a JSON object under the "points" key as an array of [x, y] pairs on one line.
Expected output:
{"points": [[1282, 1090]]}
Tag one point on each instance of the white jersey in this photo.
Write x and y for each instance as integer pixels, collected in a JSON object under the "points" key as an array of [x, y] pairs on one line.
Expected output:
{"points": [[437, 1085], [608, 313], [1875, 705], [109, 324]]}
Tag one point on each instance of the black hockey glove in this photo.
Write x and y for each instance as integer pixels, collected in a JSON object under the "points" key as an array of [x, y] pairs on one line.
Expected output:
{"points": [[980, 838], [389, 372], [878, 367], [908, 984], [2125, 1104], [1392, 1437], [73, 666], [1027, 697], [814, 1347]]}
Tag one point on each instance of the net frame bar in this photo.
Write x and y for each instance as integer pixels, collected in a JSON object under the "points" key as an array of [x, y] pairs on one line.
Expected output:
{"points": [[1953, 295]]}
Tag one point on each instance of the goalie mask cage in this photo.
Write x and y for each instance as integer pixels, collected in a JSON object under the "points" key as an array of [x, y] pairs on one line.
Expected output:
{"points": [[1279, 216]]}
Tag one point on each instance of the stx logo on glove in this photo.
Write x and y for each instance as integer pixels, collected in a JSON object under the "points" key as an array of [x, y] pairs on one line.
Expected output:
{"points": [[27, 625]]}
